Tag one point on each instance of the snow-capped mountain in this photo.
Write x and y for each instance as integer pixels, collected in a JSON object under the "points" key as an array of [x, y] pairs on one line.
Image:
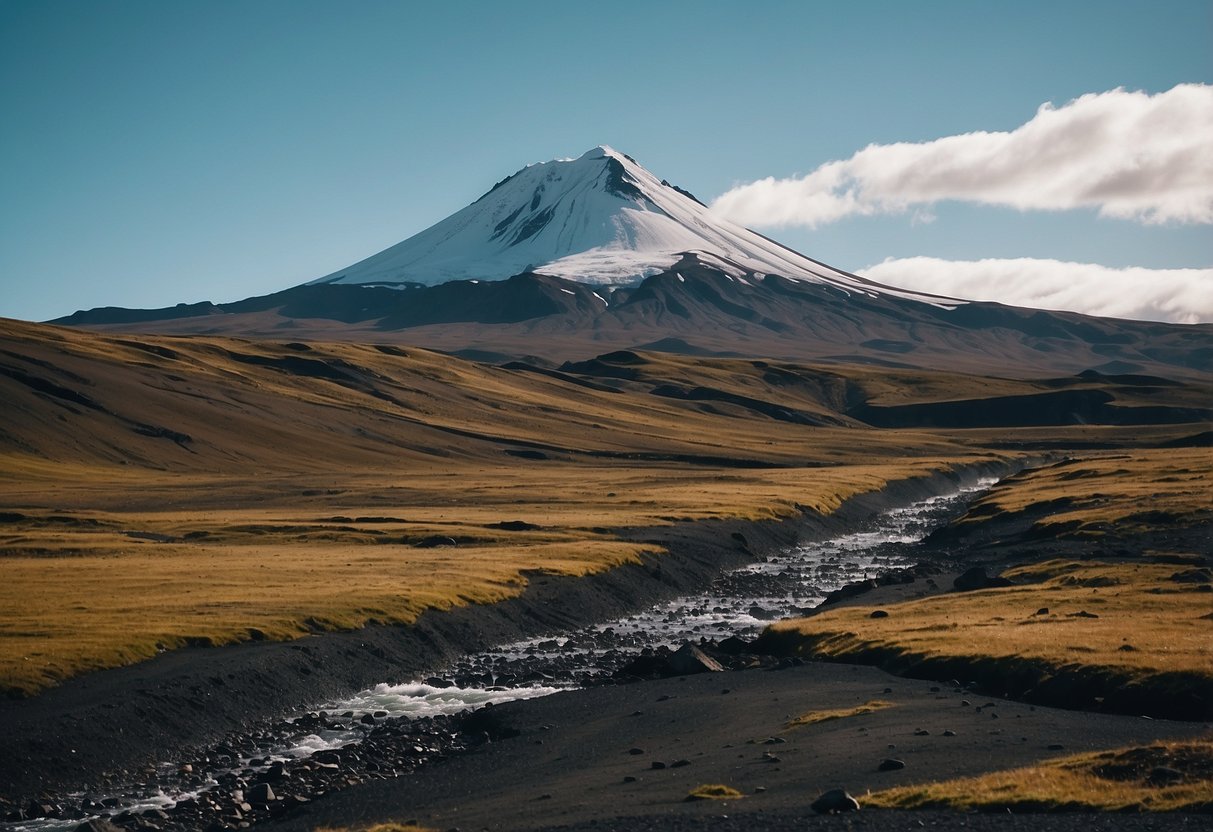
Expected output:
{"points": [[599, 219], [569, 259]]}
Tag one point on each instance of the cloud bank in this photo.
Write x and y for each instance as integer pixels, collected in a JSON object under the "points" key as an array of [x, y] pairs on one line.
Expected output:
{"points": [[1175, 295], [1130, 155]]}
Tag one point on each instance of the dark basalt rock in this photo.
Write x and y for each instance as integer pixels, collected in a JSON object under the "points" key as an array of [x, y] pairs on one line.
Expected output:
{"points": [[834, 802], [978, 578], [690, 659], [260, 794]]}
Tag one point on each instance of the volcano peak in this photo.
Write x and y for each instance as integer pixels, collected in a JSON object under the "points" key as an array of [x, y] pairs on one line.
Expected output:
{"points": [[601, 218]]}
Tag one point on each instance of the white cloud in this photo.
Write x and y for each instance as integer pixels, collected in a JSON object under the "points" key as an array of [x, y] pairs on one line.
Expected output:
{"points": [[1176, 295], [1130, 155]]}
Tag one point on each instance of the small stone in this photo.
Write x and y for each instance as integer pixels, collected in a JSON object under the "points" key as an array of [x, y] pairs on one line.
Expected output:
{"points": [[949, 733], [833, 802], [1056, 746], [690, 659], [635, 751], [1042, 611], [657, 764], [630, 779], [35, 810], [759, 789], [260, 794], [879, 614], [891, 764], [680, 763], [922, 732]]}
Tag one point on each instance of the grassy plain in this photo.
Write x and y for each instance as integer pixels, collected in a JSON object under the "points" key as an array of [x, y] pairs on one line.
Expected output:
{"points": [[1156, 778], [1123, 493], [1134, 619], [158, 562]]}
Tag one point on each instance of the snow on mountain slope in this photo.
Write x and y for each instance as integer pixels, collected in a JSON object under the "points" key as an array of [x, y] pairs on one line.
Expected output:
{"points": [[598, 219]]}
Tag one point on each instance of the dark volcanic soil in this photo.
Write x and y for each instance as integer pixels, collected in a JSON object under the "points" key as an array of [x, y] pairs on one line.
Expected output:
{"points": [[103, 728], [571, 754]]}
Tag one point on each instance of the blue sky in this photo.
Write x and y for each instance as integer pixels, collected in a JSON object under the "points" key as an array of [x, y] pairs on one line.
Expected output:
{"points": [[157, 153]]}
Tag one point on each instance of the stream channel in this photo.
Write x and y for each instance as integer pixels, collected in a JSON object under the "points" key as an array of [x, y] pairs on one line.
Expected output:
{"points": [[738, 603]]}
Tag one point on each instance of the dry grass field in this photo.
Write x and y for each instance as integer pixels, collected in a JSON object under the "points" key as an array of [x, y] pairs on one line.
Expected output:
{"points": [[1121, 493], [1157, 778], [814, 717], [159, 491], [1133, 619], [109, 571]]}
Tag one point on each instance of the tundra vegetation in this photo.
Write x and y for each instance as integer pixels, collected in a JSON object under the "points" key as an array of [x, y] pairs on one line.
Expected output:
{"points": [[158, 492]]}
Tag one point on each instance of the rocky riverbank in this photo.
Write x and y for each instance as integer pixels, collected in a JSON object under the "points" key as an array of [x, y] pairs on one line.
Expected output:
{"points": [[111, 727]]}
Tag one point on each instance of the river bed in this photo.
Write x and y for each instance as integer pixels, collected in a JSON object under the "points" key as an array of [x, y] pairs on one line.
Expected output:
{"points": [[739, 603]]}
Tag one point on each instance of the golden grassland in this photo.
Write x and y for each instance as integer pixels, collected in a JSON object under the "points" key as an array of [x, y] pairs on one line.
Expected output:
{"points": [[88, 588], [1133, 619], [1127, 492], [1126, 779], [714, 791], [814, 717], [159, 491]]}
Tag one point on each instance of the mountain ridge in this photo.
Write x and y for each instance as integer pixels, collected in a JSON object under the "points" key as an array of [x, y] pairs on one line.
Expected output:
{"points": [[568, 259], [692, 310], [602, 219]]}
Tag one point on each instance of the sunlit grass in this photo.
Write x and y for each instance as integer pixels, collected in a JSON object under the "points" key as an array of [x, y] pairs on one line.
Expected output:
{"points": [[814, 717], [1134, 623], [1157, 778], [714, 791], [1132, 491]]}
